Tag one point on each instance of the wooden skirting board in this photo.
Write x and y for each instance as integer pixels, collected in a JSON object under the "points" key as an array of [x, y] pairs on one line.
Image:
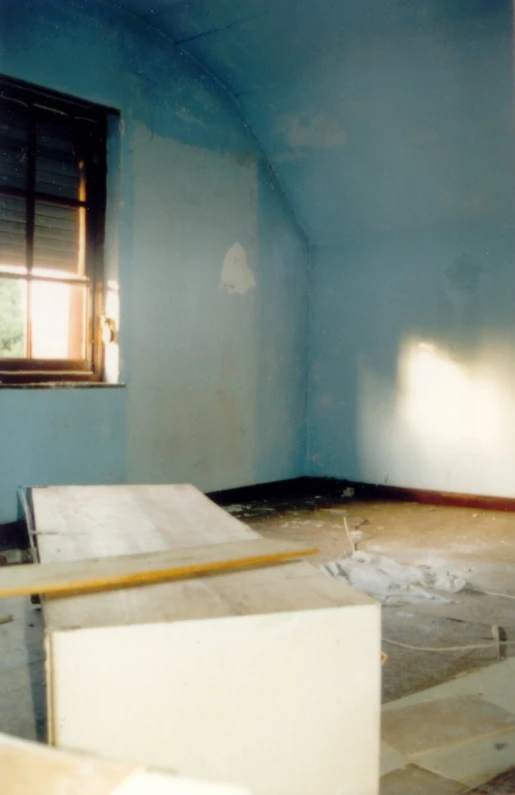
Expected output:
{"points": [[82, 576]]}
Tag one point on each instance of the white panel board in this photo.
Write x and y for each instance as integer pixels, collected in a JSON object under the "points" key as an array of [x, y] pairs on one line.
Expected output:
{"points": [[286, 704]]}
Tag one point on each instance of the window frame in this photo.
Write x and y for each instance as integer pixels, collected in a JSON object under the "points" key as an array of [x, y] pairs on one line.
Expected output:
{"points": [[91, 368]]}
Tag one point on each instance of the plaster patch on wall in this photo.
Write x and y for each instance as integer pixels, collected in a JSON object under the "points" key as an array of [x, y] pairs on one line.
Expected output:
{"points": [[317, 132], [237, 276]]}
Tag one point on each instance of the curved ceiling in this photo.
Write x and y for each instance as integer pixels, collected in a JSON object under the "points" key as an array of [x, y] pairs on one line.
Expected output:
{"points": [[363, 107]]}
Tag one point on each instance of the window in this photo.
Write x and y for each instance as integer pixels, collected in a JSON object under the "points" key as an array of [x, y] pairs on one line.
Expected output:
{"points": [[52, 215]]}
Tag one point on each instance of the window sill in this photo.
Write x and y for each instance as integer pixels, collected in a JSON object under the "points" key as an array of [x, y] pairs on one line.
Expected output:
{"points": [[63, 385]]}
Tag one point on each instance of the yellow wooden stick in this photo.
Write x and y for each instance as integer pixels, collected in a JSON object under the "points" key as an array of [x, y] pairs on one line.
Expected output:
{"points": [[79, 576]]}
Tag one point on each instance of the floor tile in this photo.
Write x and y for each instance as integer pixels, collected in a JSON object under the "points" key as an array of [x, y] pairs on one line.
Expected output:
{"points": [[437, 724], [494, 683], [390, 759], [473, 762], [412, 780]]}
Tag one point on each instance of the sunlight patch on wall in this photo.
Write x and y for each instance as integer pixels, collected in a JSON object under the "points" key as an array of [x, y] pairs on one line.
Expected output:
{"points": [[447, 400], [438, 423]]}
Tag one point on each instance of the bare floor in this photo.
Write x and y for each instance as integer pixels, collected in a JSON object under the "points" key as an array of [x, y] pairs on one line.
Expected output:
{"points": [[478, 545]]}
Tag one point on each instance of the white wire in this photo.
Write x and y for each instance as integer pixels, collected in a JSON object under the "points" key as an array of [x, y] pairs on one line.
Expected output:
{"points": [[467, 647], [351, 542], [451, 648], [503, 595]]}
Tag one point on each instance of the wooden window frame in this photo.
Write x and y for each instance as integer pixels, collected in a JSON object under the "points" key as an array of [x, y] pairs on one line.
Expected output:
{"points": [[91, 368]]}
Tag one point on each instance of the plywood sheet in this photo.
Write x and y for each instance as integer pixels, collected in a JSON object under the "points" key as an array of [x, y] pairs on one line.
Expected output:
{"points": [[27, 768], [147, 783], [71, 577], [77, 522], [23, 765]]}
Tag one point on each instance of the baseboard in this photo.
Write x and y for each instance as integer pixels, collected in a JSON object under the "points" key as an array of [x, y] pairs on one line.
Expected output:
{"points": [[281, 489], [370, 492], [14, 535], [482, 502]]}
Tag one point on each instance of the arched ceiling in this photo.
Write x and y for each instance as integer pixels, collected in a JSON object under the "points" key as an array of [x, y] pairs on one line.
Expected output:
{"points": [[358, 104]]}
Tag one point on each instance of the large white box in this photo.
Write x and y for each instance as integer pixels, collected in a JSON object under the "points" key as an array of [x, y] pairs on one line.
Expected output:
{"points": [[268, 679]]}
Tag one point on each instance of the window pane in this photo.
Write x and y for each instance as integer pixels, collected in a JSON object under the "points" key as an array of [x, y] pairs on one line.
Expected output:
{"points": [[13, 313], [59, 169], [58, 320], [13, 144], [59, 238], [12, 231]]}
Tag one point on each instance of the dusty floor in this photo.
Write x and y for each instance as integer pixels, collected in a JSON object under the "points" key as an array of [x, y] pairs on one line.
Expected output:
{"points": [[480, 545]]}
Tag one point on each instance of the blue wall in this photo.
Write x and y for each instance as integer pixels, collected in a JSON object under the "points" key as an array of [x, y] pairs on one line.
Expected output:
{"points": [[59, 436], [390, 127], [213, 356], [413, 328]]}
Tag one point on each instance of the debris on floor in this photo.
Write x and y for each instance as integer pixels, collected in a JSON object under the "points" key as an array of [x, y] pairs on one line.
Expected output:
{"points": [[395, 583], [252, 510], [236, 508], [500, 785]]}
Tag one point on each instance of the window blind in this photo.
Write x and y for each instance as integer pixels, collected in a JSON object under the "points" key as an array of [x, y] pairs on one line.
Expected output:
{"points": [[47, 159], [52, 216]]}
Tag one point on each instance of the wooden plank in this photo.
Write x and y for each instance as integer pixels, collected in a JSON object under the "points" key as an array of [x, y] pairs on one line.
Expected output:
{"points": [[73, 577], [77, 522], [27, 767]]}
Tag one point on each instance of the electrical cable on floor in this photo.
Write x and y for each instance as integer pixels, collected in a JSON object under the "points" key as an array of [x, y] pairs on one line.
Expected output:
{"points": [[467, 647], [500, 641], [502, 595], [349, 537]]}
